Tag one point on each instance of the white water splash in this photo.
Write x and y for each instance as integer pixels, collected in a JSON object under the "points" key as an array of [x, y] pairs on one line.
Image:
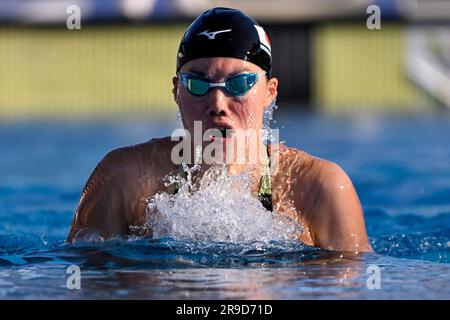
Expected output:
{"points": [[221, 209], [267, 118]]}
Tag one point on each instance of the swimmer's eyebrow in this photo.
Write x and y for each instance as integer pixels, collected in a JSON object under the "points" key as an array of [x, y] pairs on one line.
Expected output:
{"points": [[196, 73], [205, 75]]}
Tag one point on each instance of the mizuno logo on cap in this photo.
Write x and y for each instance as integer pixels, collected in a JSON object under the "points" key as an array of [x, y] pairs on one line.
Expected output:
{"points": [[212, 35]]}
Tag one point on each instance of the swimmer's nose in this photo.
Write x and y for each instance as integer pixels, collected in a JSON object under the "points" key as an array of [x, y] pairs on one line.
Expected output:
{"points": [[217, 103]]}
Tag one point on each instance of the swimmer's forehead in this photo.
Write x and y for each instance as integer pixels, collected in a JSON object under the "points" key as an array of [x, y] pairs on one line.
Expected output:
{"points": [[218, 67]]}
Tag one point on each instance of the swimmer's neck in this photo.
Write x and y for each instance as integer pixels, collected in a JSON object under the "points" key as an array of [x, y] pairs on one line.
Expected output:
{"points": [[250, 163], [233, 156]]}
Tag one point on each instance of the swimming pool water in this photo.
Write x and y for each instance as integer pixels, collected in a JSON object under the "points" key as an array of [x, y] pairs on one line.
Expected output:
{"points": [[400, 168]]}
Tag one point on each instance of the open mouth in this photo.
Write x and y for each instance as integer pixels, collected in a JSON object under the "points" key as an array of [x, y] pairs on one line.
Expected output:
{"points": [[221, 132], [224, 131]]}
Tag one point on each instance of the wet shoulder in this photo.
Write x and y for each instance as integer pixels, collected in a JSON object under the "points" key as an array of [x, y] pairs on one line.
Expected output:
{"points": [[308, 168], [290, 160], [312, 174], [139, 159]]}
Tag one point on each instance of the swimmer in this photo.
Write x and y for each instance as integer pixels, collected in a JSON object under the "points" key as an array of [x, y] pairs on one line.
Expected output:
{"points": [[223, 80]]}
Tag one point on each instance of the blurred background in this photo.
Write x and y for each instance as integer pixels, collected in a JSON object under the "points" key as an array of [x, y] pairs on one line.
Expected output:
{"points": [[120, 63]]}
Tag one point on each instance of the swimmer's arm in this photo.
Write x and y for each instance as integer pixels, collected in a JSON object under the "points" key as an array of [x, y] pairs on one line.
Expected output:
{"points": [[98, 212], [337, 222]]}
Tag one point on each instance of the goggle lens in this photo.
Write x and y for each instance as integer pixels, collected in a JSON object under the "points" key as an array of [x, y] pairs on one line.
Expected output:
{"points": [[235, 86]]}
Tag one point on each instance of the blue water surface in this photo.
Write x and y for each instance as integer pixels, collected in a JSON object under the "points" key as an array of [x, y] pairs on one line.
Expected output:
{"points": [[400, 168]]}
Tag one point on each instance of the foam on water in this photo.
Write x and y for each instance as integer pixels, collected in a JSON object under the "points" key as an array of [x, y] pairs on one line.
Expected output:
{"points": [[220, 208]]}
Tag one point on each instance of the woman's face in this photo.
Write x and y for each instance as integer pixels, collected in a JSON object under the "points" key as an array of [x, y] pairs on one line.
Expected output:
{"points": [[218, 109]]}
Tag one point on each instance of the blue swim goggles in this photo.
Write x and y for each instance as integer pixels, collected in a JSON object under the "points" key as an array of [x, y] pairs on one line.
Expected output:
{"points": [[237, 85]]}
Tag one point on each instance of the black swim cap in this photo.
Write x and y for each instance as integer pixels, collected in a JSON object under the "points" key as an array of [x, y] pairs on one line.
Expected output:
{"points": [[224, 32]]}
